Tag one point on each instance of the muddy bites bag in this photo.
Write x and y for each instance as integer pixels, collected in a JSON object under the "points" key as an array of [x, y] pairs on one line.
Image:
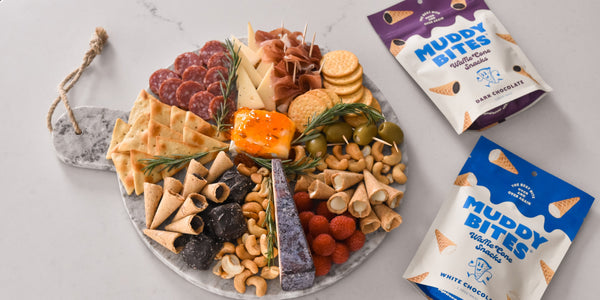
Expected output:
{"points": [[503, 232], [463, 58]]}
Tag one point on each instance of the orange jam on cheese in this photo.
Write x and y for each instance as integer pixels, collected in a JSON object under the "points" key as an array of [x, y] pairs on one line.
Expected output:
{"points": [[262, 133]]}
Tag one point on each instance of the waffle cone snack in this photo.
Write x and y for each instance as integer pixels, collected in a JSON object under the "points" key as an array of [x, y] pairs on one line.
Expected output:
{"points": [[419, 278], [506, 37], [445, 245], [395, 16], [522, 71], [559, 208], [152, 195], [467, 179], [498, 158], [548, 272], [458, 4], [396, 46], [467, 122], [170, 202], [170, 240], [448, 89]]}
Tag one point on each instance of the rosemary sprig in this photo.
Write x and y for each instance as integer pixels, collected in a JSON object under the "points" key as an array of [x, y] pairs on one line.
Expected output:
{"points": [[289, 167], [270, 224], [221, 118], [172, 162], [234, 63], [330, 115]]}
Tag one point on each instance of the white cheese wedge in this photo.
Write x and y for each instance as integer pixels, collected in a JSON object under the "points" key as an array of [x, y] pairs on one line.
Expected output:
{"points": [[247, 95], [263, 67], [265, 90], [250, 70], [252, 56], [251, 38]]}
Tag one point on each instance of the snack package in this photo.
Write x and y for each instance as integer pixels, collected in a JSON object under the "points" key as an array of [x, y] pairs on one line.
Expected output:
{"points": [[463, 58], [503, 232]]}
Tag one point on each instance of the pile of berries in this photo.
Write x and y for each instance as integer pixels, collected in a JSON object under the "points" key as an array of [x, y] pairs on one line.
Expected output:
{"points": [[331, 237]]}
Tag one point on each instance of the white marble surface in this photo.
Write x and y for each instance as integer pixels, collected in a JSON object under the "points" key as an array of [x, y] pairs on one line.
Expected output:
{"points": [[66, 234]]}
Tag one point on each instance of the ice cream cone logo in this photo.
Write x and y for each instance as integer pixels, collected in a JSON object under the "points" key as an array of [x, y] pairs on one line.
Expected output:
{"points": [[559, 208], [395, 16], [506, 37], [547, 271], [396, 46], [498, 158], [467, 179], [521, 71], [512, 296], [481, 270], [467, 122], [458, 4], [445, 245], [448, 89], [419, 278]]}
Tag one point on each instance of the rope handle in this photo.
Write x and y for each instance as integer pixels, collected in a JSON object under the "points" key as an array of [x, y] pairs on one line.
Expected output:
{"points": [[96, 44]]}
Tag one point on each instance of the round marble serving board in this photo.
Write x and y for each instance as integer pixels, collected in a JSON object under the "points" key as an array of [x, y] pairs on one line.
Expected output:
{"points": [[88, 150]]}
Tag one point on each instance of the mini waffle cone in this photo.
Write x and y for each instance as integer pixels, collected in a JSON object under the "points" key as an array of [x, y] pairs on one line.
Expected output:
{"points": [[467, 179], [388, 217], [447, 89], [394, 196], [196, 167], [524, 73], [170, 202], [442, 241], [498, 158], [221, 163], [320, 190], [374, 186], [172, 184], [467, 122], [192, 184], [396, 15], [370, 223], [559, 208], [185, 225], [360, 196], [455, 4], [419, 278], [193, 204], [506, 37], [210, 192], [152, 194], [345, 196], [395, 48], [343, 180], [302, 183], [547, 271], [166, 238]]}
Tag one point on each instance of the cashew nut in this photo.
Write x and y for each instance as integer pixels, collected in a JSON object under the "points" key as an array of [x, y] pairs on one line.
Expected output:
{"points": [[299, 153], [394, 158], [254, 197], [333, 163], [245, 170], [366, 150], [354, 151], [231, 264], [254, 207], [265, 203], [337, 152], [260, 261], [250, 265], [377, 167], [226, 275], [251, 245], [255, 229], [264, 246], [250, 215], [376, 150], [262, 217], [228, 248], [369, 160], [322, 165], [263, 171], [240, 251], [398, 174], [269, 272], [259, 283], [357, 166], [386, 168], [218, 268], [239, 281], [256, 178], [264, 188]]}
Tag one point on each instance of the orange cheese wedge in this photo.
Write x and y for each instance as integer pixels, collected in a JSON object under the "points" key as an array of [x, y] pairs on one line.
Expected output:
{"points": [[262, 133]]}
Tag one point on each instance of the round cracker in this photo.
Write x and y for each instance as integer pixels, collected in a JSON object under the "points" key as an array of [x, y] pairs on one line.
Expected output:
{"points": [[335, 99], [303, 108], [367, 97], [354, 76], [356, 120], [354, 97], [323, 96], [344, 90], [339, 63]]}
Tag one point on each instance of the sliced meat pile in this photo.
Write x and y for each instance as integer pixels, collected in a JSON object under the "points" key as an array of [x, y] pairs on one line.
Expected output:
{"points": [[287, 51], [196, 79]]}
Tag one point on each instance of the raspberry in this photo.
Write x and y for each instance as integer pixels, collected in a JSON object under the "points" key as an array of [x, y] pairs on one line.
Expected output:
{"points": [[318, 225], [341, 254], [305, 217], [355, 241], [323, 244], [342, 227], [322, 264], [322, 210], [303, 201]]}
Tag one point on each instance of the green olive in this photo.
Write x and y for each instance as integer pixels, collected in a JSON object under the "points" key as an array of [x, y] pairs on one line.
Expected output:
{"points": [[317, 147], [336, 132], [364, 134], [390, 132]]}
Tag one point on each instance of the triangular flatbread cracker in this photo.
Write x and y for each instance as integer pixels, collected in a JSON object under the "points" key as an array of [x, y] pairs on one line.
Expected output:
{"points": [[160, 112], [141, 106], [177, 119], [196, 138], [119, 132], [156, 129], [122, 163], [170, 147], [137, 136], [139, 177], [194, 122]]}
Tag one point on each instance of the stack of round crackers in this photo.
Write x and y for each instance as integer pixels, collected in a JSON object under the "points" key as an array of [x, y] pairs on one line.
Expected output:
{"points": [[310, 104]]}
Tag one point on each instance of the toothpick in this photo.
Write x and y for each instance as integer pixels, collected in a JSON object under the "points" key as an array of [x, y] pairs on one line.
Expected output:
{"points": [[396, 146], [382, 141], [345, 139], [304, 33], [322, 63], [294, 76], [312, 44], [281, 28]]}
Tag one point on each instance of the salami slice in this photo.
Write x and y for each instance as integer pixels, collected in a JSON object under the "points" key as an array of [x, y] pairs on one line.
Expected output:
{"points": [[219, 59], [215, 74], [200, 103], [185, 91], [209, 49], [159, 76], [194, 73], [184, 60], [168, 91], [215, 88], [217, 103]]}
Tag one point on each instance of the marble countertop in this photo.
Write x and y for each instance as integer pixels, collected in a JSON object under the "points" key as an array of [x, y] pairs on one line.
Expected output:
{"points": [[66, 234]]}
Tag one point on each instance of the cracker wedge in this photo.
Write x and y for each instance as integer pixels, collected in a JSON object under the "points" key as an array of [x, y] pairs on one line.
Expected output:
{"points": [[139, 177], [137, 136], [171, 147], [198, 124], [122, 163], [119, 132], [177, 119], [157, 129]]}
